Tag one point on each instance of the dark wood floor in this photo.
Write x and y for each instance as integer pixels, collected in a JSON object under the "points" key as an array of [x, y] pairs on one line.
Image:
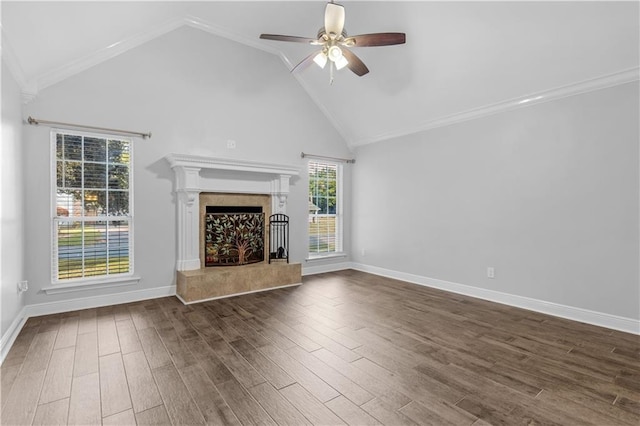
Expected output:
{"points": [[344, 347]]}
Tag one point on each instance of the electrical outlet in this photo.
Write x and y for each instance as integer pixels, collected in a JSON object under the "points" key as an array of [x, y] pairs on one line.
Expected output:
{"points": [[231, 144], [363, 253], [23, 286], [491, 272]]}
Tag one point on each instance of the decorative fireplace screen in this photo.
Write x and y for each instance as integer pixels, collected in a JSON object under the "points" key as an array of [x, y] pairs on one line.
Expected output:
{"points": [[233, 235]]}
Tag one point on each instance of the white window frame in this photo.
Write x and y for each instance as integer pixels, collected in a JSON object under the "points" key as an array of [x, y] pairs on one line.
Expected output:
{"points": [[339, 215], [97, 281]]}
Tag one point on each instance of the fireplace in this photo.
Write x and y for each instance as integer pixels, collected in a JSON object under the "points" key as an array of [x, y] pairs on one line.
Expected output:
{"points": [[233, 188], [220, 240], [233, 235]]}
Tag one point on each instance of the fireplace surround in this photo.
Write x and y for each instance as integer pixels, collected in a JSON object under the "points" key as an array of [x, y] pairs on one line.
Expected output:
{"points": [[200, 181]]}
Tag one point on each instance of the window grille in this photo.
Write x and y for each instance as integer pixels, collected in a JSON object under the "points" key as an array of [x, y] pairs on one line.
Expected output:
{"points": [[325, 208], [92, 207]]}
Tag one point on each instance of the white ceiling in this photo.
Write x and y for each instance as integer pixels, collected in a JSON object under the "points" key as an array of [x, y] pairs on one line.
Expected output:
{"points": [[461, 59]]}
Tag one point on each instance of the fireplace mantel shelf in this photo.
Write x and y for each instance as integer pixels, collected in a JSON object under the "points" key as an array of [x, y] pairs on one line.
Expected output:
{"points": [[215, 163]]}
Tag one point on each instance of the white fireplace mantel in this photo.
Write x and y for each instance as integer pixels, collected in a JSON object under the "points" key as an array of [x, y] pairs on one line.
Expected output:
{"points": [[195, 174]]}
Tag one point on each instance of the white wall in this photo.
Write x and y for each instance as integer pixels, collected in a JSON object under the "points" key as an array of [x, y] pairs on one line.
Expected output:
{"points": [[12, 255], [193, 91], [547, 195]]}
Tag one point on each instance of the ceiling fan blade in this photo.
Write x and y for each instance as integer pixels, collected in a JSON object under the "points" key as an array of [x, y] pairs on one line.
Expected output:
{"points": [[376, 39], [355, 64], [295, 39], [304, 64], [334, 19]]}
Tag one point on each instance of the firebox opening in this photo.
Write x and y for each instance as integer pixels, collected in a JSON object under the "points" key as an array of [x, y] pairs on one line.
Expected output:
{"points": [[234, 235]]}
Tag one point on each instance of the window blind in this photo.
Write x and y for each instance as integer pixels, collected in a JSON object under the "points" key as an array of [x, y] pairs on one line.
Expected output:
{"points": [[92, 220]]}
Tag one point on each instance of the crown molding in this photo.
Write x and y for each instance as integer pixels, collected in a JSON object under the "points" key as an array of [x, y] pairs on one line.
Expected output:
{"points": [[104, 54], [10, 59], [28, 89], [199, 24], [31, 87], [598, 83]]}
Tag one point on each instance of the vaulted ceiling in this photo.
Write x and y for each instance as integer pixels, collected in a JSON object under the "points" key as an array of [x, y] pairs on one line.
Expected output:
{"points": [[461, 59]]}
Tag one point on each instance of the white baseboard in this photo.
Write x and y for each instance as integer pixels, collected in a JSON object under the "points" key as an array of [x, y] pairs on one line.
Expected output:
{"points": [[76, 304], [628, 325], [601, 319], [330, 267], [98, 301], [10, 335]]}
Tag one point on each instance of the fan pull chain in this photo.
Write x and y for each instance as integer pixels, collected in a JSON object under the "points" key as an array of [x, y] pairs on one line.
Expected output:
{"points": [[331, 67]]}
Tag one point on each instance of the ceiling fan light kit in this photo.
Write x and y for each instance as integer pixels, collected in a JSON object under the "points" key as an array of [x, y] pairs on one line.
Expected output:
{"points": [[334, 41]]}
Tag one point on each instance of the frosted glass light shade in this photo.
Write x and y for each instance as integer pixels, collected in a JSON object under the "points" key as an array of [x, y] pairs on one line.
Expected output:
{"points": [[320, 59]]}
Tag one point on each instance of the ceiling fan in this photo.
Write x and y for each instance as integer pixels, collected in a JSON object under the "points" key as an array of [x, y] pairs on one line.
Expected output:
{"points": [[334, 43]]}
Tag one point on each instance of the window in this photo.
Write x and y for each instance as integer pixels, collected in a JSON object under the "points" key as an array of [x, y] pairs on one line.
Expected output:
{"points": [[92, 207], [325, 208]]}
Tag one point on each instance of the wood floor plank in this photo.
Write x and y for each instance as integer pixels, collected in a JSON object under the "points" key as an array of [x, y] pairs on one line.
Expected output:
{"points": [[178, 402], [350, 413], [84, 405], [181, 324], [142, 387], [156, 416], [156, 353], [67, 333], [108, 342], [332, 377], [386, 415], [207, 397], [8, 375], [39, 352], [226, 331], [208, 361], [328, 343], [274, 336], [629, 405], [139, 317], [20, 347], [299, 338], [309, 406], [247, 333], [418, 413], [248, 411], [268, 369], [50, 323], [21, 403], [318, 388], [123, 418], [57, 382], [237, 365], [52, 413], [368, 382], [580, 412], [178, 351], [277, 406], [114, 391], [86, 356], [87, 321], [128, 336]]}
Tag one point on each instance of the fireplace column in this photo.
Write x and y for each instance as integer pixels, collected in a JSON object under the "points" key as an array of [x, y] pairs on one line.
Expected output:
{"points": [[187, 180]]}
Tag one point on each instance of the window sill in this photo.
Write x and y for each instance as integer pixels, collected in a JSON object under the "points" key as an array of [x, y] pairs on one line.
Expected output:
{"points": [[92, 284], [325, 256]]}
